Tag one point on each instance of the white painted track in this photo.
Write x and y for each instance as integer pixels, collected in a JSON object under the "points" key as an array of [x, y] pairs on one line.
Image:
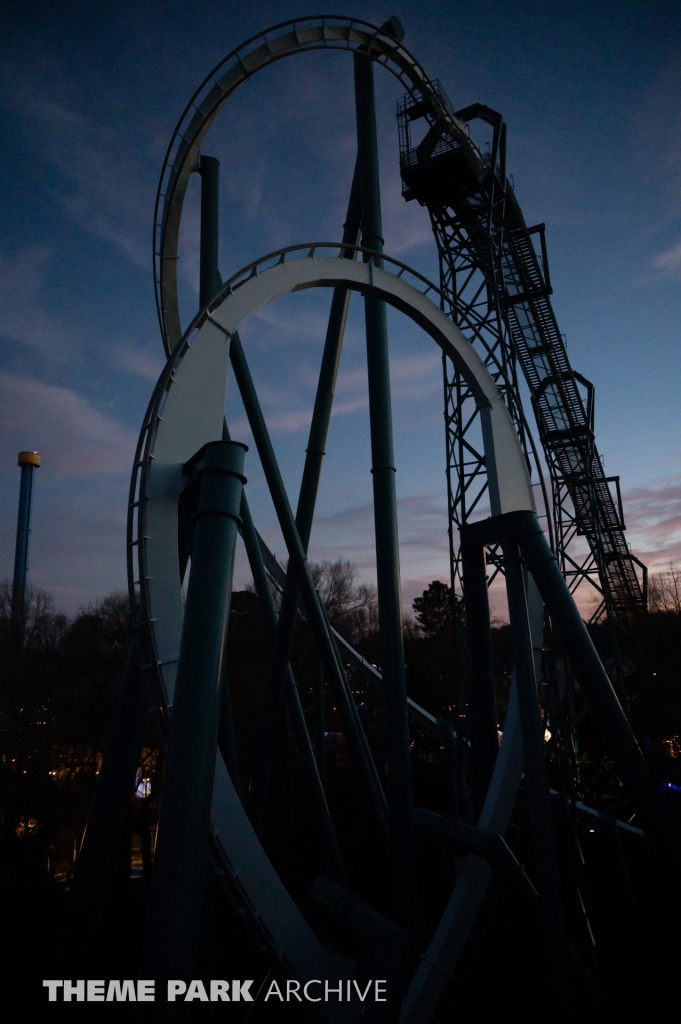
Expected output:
{"points": [[186, 412], [300, 35]]}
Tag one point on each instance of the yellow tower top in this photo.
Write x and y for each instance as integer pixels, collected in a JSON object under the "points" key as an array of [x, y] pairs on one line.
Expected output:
{"points": [[28, 459]]}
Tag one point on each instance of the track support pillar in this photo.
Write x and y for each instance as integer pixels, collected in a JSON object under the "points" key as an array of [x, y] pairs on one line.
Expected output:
{"points": [[209, 275], [532, 729], [398, 761], [482, 712], [214, 487], [315, 613], [314, 457], [311, 768]]}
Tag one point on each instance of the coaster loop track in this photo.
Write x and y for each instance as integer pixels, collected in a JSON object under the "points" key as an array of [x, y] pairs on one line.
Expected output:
{"points": [[326, 32], [480, 222]]}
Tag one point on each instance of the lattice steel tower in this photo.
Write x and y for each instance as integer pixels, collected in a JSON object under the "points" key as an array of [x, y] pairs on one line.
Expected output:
{"points": [[498, 287]]}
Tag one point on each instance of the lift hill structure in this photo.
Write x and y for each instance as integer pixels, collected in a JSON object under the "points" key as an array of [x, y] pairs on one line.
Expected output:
{"points": [[188, 500]]}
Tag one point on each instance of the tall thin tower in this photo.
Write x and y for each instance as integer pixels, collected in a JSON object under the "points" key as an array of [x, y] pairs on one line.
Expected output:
{"points": [[29, 462]]}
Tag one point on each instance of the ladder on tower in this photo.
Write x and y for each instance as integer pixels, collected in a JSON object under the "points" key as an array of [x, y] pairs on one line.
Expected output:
{"points": [[473, 208]]}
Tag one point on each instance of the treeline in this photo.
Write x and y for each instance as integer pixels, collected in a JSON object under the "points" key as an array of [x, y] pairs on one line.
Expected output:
{"points": [[57, 695], [58, 692], [651, 650]]}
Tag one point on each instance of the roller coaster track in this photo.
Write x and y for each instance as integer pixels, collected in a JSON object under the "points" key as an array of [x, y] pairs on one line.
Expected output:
{"points": [[479, 218], [479, 226], [326, 32], [564, 418], [172, 427]]}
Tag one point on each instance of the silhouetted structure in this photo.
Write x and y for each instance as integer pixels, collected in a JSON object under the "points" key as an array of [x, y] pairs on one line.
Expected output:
{"points": [[29, 462], [433, 881]]}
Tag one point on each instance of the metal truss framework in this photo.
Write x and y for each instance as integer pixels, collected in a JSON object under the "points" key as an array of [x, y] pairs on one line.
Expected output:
{"points": [[175, 423], [187, 500], [498, 289]]}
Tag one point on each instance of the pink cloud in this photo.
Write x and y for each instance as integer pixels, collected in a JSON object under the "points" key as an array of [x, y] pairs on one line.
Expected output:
{"points": [[653, 518], [71, 435]]}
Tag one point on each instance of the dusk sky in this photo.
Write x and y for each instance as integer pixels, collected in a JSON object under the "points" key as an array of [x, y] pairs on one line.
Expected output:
{"points": [[89, 96]]}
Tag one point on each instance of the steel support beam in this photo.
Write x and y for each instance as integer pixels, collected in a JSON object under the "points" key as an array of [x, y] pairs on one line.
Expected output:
{"points": [[210, 283], [226, 736], [482, 712], [618, 739], [311, 768], [319, 718], [209, 275], [307, 499], [29, 462], [543, 838], [313, 608], [215, 474], [398, 762]]}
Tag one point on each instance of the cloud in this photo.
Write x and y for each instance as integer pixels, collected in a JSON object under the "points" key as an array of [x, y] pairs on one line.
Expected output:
{"points": [[71, 435], [77, 538], [412, 378], [424, 547], [657, 118], [669, 262], [653, 518], [274, 326], [80, 501], [22, 316], [139, 362], [101, 182], [287, 392], [407, 225]]}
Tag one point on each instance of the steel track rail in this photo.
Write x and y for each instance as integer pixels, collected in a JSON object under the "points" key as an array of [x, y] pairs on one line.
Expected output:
{"points": [[559, 392], [564, 419], [185, 411], [330, 32]]}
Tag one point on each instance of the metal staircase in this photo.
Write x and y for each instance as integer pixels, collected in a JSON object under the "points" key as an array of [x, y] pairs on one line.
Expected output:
{"points": [[499, 288]]}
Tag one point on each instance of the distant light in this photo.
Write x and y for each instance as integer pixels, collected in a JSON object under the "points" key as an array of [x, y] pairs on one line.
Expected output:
{"points": [[547, 735], [142, 785], [592, 830]]}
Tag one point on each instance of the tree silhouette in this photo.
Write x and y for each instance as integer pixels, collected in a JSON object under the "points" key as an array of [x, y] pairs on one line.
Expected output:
{"points": [[434, 610]]}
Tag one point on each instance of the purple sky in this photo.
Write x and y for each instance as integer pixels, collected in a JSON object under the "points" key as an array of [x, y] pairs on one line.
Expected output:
{"points": [[89, 96]]}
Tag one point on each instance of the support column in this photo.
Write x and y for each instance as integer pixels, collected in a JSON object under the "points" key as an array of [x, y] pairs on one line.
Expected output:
{"points": [[29, 462], [398, 763], [522, 528], [226, 736], [209, 275], [618, 738], [548, 877], [482, 712], [359, 749], [319, 718], [332, 856], [307, 499], [215, 474]]}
